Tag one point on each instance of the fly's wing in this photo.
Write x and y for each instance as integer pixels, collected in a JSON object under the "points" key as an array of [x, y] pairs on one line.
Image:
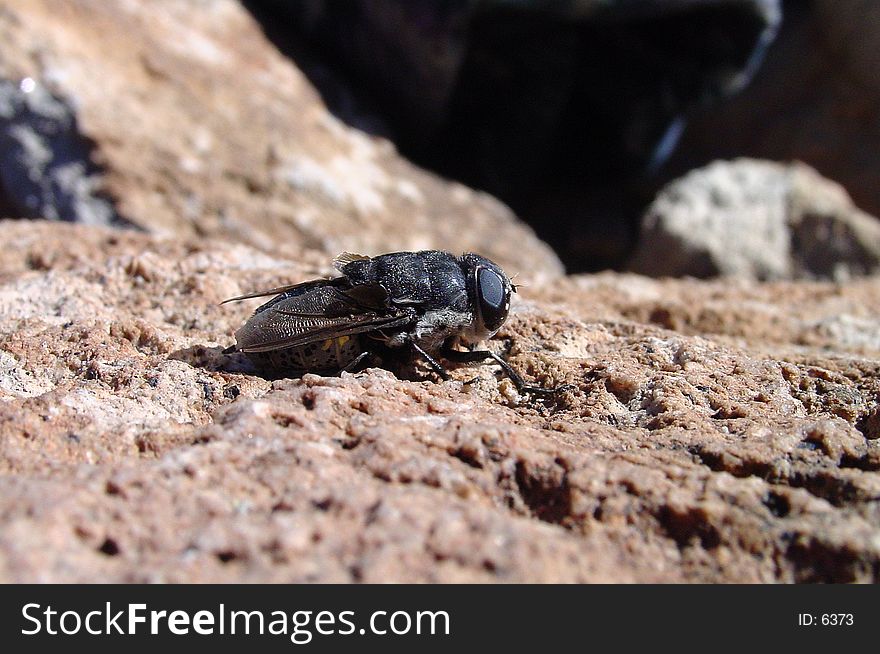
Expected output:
{"points": [[317, 311]]}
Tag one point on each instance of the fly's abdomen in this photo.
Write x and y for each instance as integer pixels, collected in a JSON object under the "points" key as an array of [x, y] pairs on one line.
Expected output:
{"points": [[328, 356]]}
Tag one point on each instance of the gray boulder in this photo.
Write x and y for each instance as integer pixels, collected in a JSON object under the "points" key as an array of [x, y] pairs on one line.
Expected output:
{"points": [[756, 219]]}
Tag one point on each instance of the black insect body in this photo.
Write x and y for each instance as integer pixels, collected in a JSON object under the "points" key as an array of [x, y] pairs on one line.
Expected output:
{"points": [[428, 302]]}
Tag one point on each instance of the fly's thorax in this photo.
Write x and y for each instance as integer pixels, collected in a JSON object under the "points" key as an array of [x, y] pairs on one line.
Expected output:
{"points": [[429, 279]]}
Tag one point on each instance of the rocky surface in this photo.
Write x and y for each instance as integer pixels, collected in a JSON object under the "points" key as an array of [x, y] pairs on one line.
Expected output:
{"points": [[201, 127], [717, 431], [756, 219]]}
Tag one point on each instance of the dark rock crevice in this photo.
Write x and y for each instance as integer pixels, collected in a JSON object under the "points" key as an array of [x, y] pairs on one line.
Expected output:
{"points": [[47, 167]]}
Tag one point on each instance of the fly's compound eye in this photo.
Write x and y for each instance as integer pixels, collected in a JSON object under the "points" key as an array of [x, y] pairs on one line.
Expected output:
{"points": [[494, 298]]}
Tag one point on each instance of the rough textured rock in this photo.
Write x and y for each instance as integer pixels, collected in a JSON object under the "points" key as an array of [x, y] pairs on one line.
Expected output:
{"points": [[757, 219], [203, 128], [717, 431]]}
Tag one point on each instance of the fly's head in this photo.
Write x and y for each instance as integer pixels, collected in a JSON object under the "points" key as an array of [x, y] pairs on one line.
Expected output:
{"points": [[489, 291]]}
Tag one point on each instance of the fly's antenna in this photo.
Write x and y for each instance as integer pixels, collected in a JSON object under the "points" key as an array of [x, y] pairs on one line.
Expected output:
{"points": [[515, 286]]}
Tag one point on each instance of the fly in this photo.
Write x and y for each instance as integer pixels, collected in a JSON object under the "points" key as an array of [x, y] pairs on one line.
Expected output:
{"points": [[427, 302]]}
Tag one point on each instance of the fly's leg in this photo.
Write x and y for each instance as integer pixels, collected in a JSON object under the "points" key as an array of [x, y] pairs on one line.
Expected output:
{"points": [[355, 364], [473, 356], [435, 365]]}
